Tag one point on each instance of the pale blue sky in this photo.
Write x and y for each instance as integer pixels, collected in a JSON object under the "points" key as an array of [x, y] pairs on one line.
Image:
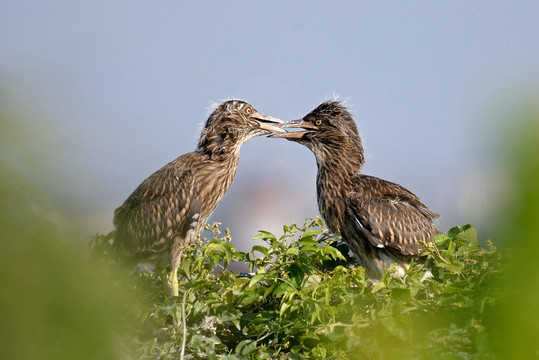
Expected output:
{"points": [[125, 85]]}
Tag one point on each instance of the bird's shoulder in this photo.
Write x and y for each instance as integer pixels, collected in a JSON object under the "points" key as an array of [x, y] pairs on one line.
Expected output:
{"points": [[370, 186]]}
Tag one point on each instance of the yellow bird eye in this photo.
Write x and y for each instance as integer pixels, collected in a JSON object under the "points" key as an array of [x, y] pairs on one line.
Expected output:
{"points": [[318, 122], [248, 111]]}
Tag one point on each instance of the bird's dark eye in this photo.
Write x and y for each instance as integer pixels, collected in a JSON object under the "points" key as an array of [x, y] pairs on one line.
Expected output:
{"points": [[248, 111], [318, 122]]}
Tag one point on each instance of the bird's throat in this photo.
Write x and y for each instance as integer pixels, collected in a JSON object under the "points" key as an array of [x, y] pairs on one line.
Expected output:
{"points": [[332, 188]]}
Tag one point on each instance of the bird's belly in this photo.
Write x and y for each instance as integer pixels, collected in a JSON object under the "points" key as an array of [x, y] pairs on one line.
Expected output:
{"points": [[374, 259]]}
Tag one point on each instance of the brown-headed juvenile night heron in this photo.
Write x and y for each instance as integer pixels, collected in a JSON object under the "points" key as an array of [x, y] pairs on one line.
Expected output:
{"points": [[382, 222], [170, 208]]}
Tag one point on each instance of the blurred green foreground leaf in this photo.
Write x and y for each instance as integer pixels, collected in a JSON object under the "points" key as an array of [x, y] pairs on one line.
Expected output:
{"points": [[54, 304]]}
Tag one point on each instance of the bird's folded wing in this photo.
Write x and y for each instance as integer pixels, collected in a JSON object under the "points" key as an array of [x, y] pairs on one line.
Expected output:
{"points": [[164, 205], [397, 222]]}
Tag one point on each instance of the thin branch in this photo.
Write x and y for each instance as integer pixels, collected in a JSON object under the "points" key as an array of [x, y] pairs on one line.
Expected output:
{"points": [[184, 326]]}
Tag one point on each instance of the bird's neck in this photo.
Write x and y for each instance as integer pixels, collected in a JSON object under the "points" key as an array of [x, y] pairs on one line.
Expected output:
{"points": [[217, 174], [222, 153], [224, 159], [335, 181], [340, 163], [228, 165], [221, 147]]}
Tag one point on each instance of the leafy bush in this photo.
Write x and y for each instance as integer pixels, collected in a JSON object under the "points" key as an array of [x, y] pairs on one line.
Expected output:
{"points": [[304, 299]]}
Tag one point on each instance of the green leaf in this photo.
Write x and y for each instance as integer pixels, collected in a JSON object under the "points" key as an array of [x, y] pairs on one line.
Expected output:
{"points": [[310, 234], [265, 235], [401, 293], [260, 249], [312, 281], [451, 247], [212, 247], [441, 239], [185, 265], [333, 253], [309, 249], [249, 297], [292, 251], [246, 347], [255, 279], [281, 289], [296, 275], [454, 268], [469, 236], [319, 352], [284, 307], [269, 290], [209, 349], [196, 341], [308, 241], [379, 286]]}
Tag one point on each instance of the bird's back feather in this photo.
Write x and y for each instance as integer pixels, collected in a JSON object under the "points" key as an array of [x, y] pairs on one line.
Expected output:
{"points": [[388, 215]]}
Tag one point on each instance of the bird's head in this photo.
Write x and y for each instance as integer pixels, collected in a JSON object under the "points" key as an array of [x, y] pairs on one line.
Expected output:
{"points": [[329, 131], [231, 124]]}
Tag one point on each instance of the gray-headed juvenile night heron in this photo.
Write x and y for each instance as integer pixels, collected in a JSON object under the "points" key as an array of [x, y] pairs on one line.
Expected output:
{"points": [[382, 222], [170, 208]]}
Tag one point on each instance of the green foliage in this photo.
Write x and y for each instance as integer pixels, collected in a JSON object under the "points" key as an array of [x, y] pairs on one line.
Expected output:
{"points": [[54, 304], [304, 300], [516, 226]]}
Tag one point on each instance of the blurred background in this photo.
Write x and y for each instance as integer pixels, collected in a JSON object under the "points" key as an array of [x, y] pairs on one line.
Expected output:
{"points": [[117, 90]]}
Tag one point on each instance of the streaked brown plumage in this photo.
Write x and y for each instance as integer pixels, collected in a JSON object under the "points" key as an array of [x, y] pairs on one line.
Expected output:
{"points": [[382, 222], [170, 208]]}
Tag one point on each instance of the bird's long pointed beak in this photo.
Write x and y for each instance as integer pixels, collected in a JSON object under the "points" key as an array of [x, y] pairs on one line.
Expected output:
{"points": [[300, 123], [265, 121]]}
